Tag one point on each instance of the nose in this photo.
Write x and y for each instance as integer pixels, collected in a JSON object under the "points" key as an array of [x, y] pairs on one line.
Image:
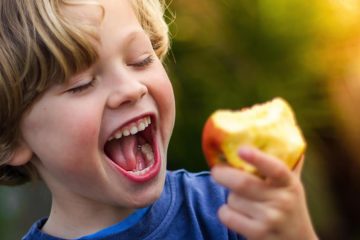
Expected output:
{"points": [[126, 93]]}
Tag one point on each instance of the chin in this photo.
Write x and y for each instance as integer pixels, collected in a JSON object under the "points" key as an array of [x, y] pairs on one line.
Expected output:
{"points": [[149, 192]]}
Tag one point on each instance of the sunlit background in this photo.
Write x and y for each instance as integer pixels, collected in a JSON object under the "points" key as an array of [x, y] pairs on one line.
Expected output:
{"points": [[234, 53]]}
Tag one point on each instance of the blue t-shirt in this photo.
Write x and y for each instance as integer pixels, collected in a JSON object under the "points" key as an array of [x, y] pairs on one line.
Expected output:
{"points": [[186, 209]]}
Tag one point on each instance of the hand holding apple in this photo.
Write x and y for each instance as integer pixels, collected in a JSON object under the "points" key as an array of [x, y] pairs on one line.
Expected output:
{"points": [[267, 208], [270, 127], [259, 140]]}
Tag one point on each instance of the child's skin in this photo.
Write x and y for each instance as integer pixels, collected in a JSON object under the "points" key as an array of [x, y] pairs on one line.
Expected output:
{"points": [[68, 126], [272, 207]]}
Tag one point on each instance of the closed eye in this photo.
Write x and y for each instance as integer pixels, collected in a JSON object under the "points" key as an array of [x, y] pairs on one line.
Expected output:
{"points": [[143, 63], [83, 87]]}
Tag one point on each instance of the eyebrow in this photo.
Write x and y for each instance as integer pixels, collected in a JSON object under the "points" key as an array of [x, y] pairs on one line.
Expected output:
{"points": [[124, 42], [132, 36]]}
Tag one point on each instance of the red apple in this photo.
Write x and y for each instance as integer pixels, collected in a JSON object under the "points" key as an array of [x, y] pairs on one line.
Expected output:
{"points": [[270, 127]]}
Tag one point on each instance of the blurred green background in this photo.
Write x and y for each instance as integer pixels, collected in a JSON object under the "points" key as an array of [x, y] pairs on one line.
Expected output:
{"points": [[234, 53]]}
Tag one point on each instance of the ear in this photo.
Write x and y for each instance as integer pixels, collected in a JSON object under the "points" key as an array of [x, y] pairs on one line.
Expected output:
{"points": [[21, 155]]}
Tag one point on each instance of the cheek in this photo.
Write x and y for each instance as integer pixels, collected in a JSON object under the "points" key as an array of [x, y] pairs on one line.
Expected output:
{"points": [[164, 97], [84, 131], [58, 132], [164, 93]]}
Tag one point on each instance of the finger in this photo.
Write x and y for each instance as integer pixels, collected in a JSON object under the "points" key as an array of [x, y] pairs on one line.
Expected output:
{"points": [[248, 207], [240, 182], [238, 222], [299, 166], [268, 166]]}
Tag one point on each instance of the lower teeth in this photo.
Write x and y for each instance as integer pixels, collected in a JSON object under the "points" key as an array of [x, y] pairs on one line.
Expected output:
{"points": [[148, 152]]}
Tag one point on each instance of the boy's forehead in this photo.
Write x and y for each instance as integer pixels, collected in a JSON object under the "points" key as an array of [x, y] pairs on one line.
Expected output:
{"points": [[90, 14], [118, 13], [119, 25], [93, 12], [105, 15], [113, 20]]}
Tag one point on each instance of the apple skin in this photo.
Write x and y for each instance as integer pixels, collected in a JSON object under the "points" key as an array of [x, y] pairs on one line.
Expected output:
{"points": [[270, 127], [211, 142]]}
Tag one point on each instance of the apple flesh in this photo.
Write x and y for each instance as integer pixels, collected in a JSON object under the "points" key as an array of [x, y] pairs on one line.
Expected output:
{"points": [[270, 127]]}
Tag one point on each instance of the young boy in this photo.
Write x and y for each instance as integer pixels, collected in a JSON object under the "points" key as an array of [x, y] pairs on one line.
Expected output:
{"points": [[87, 107]]}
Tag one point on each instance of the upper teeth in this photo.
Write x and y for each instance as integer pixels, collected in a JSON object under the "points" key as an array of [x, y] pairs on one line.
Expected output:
{"points": [[132, 128]]}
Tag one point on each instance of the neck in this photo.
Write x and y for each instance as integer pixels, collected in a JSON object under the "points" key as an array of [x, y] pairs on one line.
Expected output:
{"points": [[80, 218]]}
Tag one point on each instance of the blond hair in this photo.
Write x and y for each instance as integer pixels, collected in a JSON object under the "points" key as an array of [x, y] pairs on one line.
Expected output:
{"points": [[39, 47]]}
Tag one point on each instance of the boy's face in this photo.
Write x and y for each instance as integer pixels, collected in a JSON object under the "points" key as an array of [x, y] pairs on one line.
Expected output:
{"points": [[71, 126]]}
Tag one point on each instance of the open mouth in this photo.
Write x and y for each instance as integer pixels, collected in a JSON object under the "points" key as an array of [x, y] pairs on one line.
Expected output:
{"points": [[132, 148]]}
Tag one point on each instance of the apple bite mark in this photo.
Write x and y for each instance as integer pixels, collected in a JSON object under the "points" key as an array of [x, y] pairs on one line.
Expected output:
{"points": [[270, 127], [133, 149]]}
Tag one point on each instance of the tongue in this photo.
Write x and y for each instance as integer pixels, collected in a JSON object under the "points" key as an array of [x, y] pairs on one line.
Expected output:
{"points": [[123, 152]]}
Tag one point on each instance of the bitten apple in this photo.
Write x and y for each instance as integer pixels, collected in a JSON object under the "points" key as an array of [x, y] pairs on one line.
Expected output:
{"points": [[270, 127]]}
